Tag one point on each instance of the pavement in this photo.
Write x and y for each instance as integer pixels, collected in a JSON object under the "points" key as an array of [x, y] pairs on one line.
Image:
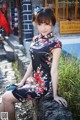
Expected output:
{"points": [[71, 44]]}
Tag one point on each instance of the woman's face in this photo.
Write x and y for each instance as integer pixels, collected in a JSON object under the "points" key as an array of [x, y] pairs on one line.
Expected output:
{"points": [[44, 28]]}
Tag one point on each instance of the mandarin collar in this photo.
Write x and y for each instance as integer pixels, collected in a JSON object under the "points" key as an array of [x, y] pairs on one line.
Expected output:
{"points": [[48, 36]]}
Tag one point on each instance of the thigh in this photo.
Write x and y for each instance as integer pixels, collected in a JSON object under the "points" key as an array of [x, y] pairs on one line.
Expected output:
{"points": [[9, 96]]}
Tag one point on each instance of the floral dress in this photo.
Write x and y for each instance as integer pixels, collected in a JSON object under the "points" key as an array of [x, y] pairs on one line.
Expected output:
{"points": [[41, 56]]}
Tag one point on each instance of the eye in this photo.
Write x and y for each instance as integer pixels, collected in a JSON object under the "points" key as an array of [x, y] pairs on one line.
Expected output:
{"points": [[39, 23], [47, 23]]}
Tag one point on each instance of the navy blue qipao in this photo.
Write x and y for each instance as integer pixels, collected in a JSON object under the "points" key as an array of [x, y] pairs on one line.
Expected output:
{"points": [[41, 56]]}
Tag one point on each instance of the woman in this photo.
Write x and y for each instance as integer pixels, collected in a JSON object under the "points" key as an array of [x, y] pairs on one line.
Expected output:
{"points": [[45, 51]]}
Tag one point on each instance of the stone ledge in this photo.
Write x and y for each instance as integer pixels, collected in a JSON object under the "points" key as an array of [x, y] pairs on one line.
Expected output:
{"points": [[9, 52], [49, 109], [13, 41], [22, 60]]}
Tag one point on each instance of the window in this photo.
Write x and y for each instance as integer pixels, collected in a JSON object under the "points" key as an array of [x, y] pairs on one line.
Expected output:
{"points": [[66, 9]]}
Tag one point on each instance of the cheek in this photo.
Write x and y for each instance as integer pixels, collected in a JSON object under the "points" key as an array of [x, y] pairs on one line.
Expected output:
{"points": [[49, 28], [39, 28]]}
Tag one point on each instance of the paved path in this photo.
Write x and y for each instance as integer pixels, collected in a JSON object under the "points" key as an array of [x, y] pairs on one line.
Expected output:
{"points": [[70, 39], [71, 45]]}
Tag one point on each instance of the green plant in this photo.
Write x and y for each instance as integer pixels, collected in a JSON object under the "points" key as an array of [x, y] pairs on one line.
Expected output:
{"points": [[17, 72], [69, 83]]}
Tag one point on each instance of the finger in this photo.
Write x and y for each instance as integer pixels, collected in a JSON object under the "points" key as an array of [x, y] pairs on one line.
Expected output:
{"points": [[58, 101], [16, 84], [64, 102]]}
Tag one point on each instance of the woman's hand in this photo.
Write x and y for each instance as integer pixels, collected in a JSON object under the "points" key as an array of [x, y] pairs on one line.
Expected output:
{"points": [[60, 100], [19, 84]]}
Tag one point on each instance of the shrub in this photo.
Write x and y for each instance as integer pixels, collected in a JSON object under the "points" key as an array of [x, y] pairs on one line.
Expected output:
{"points": [[69, 83]]}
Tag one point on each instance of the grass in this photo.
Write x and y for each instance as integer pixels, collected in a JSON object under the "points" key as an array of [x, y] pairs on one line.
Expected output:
{"points": [[69, 83], [17, 72]]}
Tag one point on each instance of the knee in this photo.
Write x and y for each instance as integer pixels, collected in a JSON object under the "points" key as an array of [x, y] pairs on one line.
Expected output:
{"points": [[8, 97], [5, 97]]}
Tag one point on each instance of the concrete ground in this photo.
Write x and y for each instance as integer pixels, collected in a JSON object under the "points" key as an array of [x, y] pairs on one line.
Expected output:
{"points": [[71, 45]]}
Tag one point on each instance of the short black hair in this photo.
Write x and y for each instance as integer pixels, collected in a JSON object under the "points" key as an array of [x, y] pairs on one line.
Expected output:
{"points": [[46, 15]]}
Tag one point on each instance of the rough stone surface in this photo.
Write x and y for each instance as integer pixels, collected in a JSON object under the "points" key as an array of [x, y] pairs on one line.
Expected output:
{"points": [[24, 111], [7, 75], [51, 110]]}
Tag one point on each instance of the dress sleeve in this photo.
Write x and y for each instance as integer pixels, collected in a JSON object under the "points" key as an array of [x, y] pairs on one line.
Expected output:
{"points": [[55, 44]]}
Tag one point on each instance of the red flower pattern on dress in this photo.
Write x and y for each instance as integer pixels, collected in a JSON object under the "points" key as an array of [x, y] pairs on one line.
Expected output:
{"points": [[39, 90], [40, 81], [38, 77], [43, 40], [58, 45]]}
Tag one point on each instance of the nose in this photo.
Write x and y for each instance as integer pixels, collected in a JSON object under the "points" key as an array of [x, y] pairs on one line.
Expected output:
{"points": [[43, 28]]}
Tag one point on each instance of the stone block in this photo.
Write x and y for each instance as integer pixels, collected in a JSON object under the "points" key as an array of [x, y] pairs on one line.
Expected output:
{"points": [[9, 53], [51, 110]]}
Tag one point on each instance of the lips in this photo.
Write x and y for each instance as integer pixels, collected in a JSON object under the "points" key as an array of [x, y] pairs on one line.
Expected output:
{"points": [[44, 33]]}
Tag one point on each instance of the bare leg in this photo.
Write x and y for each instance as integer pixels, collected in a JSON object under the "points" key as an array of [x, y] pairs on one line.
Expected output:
{"points": [[8, 101], [2, 107]]}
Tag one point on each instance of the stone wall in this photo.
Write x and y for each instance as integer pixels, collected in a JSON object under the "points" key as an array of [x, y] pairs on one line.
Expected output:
{"points": [[22, 60]]}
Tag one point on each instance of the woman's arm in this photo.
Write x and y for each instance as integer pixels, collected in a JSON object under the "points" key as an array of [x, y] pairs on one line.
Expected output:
{"points": [[28, 72], [54, 75]]}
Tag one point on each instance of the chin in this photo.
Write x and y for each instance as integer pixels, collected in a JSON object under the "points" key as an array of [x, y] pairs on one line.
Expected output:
{"points": [[44, 33]]}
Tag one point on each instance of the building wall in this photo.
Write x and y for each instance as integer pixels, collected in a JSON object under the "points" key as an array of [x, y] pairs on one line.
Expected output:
{"points": [[37, 3]]}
